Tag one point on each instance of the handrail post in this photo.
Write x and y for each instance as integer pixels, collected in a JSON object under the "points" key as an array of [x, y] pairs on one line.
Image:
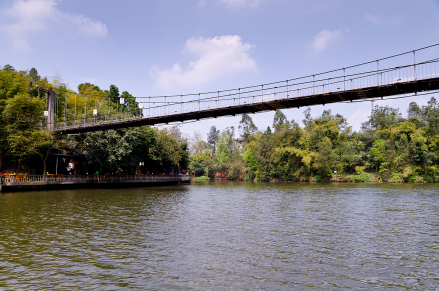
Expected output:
{"points": [[414, 69], [313, 86], [344, 80]]}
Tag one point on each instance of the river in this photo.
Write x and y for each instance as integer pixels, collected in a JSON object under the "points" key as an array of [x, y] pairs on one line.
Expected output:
{"points": [[222, 236]]}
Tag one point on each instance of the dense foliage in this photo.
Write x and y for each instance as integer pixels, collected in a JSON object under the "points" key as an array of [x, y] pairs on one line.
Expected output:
{"points": [[26, 147], [388, 148]]}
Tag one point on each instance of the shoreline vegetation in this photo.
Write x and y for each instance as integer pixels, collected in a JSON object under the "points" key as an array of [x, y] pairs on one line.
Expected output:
{"points": [[28, 148], [387, 148], [361, 178]]}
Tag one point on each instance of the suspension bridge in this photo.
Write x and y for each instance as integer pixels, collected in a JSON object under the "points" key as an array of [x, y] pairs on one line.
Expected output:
{"points": [[406, 74]]}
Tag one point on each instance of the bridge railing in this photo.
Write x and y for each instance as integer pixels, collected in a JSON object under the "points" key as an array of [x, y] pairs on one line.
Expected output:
{"points": [[309, 86]]}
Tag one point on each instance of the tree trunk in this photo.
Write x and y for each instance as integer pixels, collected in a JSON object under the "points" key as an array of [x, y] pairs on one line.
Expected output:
{"points": [[44, 165], [44, 162]]}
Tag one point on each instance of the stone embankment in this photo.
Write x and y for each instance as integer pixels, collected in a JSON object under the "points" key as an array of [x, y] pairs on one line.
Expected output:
{"points": [[39, 182]]}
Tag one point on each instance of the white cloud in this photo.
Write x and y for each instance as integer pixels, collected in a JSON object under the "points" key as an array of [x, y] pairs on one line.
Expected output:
{"points": [[217, 57], [241, 3], [324, 38], [29, 17], [88, 26]]}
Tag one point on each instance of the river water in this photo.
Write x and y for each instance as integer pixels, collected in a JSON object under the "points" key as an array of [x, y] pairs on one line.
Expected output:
{"points": [[222, 236]]}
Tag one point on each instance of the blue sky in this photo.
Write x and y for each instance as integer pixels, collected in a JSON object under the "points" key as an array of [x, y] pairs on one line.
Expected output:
{"points": [[188, 46]]}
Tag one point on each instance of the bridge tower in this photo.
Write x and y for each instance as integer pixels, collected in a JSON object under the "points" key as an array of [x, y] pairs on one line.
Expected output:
{"points": [[50, 107]]}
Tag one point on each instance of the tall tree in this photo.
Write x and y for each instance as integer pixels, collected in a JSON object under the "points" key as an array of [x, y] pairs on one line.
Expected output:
{"points": [[383, 117], [247, 127], [326, 160], [8, 68], [264, 151], [130, 103], [226, 146], [197, 145], [33, 74], [25, 139], [212, 138], [414, 110], [280, 121], [88, 88]]}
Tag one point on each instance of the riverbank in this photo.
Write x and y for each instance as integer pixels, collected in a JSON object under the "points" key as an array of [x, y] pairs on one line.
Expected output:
{"points": [[363, 177], [11, 183]]}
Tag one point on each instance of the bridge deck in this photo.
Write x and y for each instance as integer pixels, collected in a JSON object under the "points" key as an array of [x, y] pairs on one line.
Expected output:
{"points": [[396, 88]]}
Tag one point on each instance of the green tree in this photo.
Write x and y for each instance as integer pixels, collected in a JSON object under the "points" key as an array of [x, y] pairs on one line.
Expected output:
{"points": [[414, 110], [8, 68], [250, 159], [227, 150], [22, 116], [12, 83], [212, 138], [33, 74], [247, 127], [326, 160], [383, 118], [280, 121], [88, 88], [289, 136], [264, 151], [111, 150], [113, 94], [201, 163], [380, 155], [130, 103]]}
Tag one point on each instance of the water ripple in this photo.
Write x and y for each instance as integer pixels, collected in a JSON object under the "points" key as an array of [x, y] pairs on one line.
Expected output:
{"points": [[222, 236]]}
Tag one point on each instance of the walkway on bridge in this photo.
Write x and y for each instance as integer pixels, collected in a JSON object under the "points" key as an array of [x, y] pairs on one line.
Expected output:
{"points": [[365, 81]]}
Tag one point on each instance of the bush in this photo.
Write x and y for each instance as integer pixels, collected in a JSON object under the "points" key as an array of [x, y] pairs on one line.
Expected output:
{"points": [[197, 167], [396, 178], [318, 178], [202, 178], [362, 177], [416, 179], [359, 169], [233, 173]]}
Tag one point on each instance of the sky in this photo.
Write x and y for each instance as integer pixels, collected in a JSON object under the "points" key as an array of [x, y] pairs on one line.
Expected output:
{"points": [[164, 47]]}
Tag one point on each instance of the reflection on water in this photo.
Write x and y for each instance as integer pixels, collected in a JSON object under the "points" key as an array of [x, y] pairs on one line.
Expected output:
{"points": [[222, 236]]}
